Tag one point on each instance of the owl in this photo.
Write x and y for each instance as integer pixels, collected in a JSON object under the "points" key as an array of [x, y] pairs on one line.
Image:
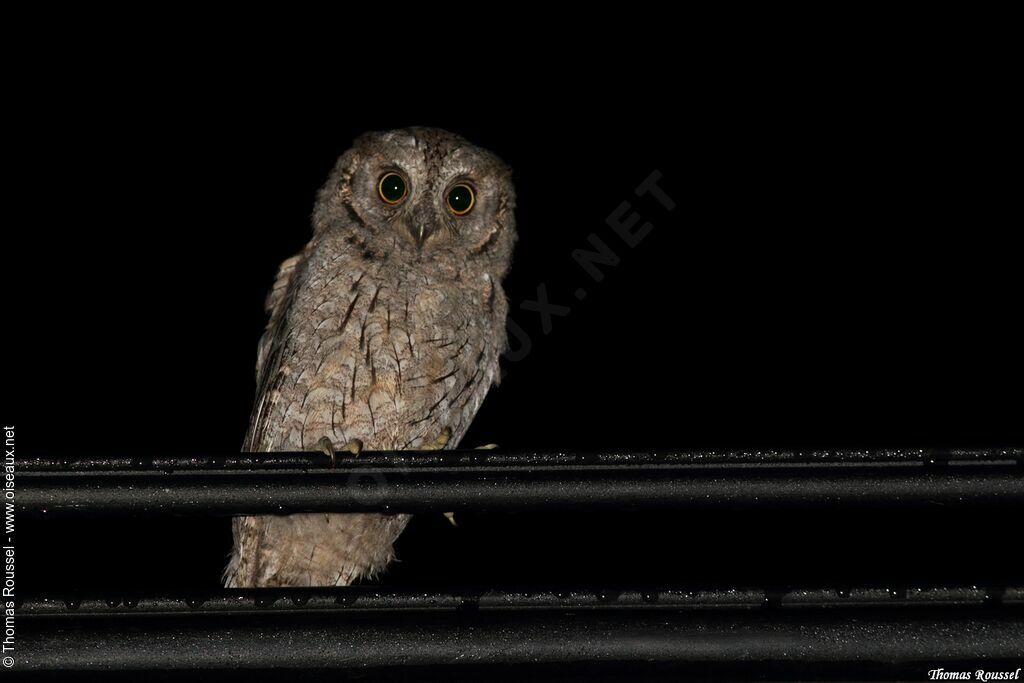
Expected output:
{"points": [[384, 334]]}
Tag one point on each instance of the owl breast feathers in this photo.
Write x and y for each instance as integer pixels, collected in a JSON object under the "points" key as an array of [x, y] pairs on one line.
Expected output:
{"points": [[386, 330]]}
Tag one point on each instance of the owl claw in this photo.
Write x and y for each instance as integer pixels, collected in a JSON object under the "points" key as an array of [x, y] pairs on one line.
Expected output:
{"points": [[439, 442], [355, 447], [324, 445]]}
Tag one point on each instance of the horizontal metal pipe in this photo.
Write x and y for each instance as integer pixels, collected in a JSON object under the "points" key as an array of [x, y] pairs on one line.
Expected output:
{"points": [[464, 639], [71, 462], [404, 482], [381, 599]]}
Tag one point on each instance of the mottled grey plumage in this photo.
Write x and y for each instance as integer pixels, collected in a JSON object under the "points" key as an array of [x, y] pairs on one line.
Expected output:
{"points": [[387, 328]]}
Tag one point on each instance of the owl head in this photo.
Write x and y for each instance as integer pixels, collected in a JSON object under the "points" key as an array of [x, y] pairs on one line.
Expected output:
{"points": [[423, 195]]}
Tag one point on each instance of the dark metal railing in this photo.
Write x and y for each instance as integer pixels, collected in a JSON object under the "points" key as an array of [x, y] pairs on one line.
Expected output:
{"points": [[789, 632], [365, 629], [489, 480]]}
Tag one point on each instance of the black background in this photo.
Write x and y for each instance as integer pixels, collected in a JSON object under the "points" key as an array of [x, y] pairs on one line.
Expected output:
{"points": [[841, 270]]}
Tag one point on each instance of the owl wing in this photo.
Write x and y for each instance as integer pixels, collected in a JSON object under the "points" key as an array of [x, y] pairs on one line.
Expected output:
{"points": [[276, 305]]}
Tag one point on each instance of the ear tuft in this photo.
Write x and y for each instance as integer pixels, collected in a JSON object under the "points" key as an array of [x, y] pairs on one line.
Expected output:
{"points": [[330, 199]]}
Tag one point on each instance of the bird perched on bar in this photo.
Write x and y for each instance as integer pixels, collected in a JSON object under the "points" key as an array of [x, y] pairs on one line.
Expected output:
{"points": [[384, 334]]}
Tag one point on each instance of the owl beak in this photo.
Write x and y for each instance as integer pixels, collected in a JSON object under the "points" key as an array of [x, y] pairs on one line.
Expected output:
{"points": [[419, 232], [419, 228]]}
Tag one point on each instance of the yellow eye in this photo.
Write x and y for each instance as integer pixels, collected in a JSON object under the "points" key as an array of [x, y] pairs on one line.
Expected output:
{"points": [[460, 199], [392, 188]]}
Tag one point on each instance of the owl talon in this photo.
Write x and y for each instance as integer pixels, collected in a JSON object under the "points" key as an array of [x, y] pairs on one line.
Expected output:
{"points": [[439, 442], [325, 446], [486, 447], [450, 516], [355, 447]]}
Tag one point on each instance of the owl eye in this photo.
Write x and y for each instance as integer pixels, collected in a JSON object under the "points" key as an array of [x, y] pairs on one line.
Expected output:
{"points": [[392, 188], [460, 199]]}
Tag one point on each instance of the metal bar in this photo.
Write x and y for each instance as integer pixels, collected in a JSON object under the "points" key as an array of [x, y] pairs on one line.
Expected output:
{"points": [[69, 462], [360, 629], [352, 599], [481, 480]]}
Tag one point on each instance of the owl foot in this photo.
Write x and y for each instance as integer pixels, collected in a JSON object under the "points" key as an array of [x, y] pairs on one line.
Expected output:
{"points": [[439, 442], [355, 447]]}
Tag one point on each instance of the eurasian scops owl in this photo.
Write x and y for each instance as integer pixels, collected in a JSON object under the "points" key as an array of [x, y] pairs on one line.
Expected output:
{"points": [[384, 334]]}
